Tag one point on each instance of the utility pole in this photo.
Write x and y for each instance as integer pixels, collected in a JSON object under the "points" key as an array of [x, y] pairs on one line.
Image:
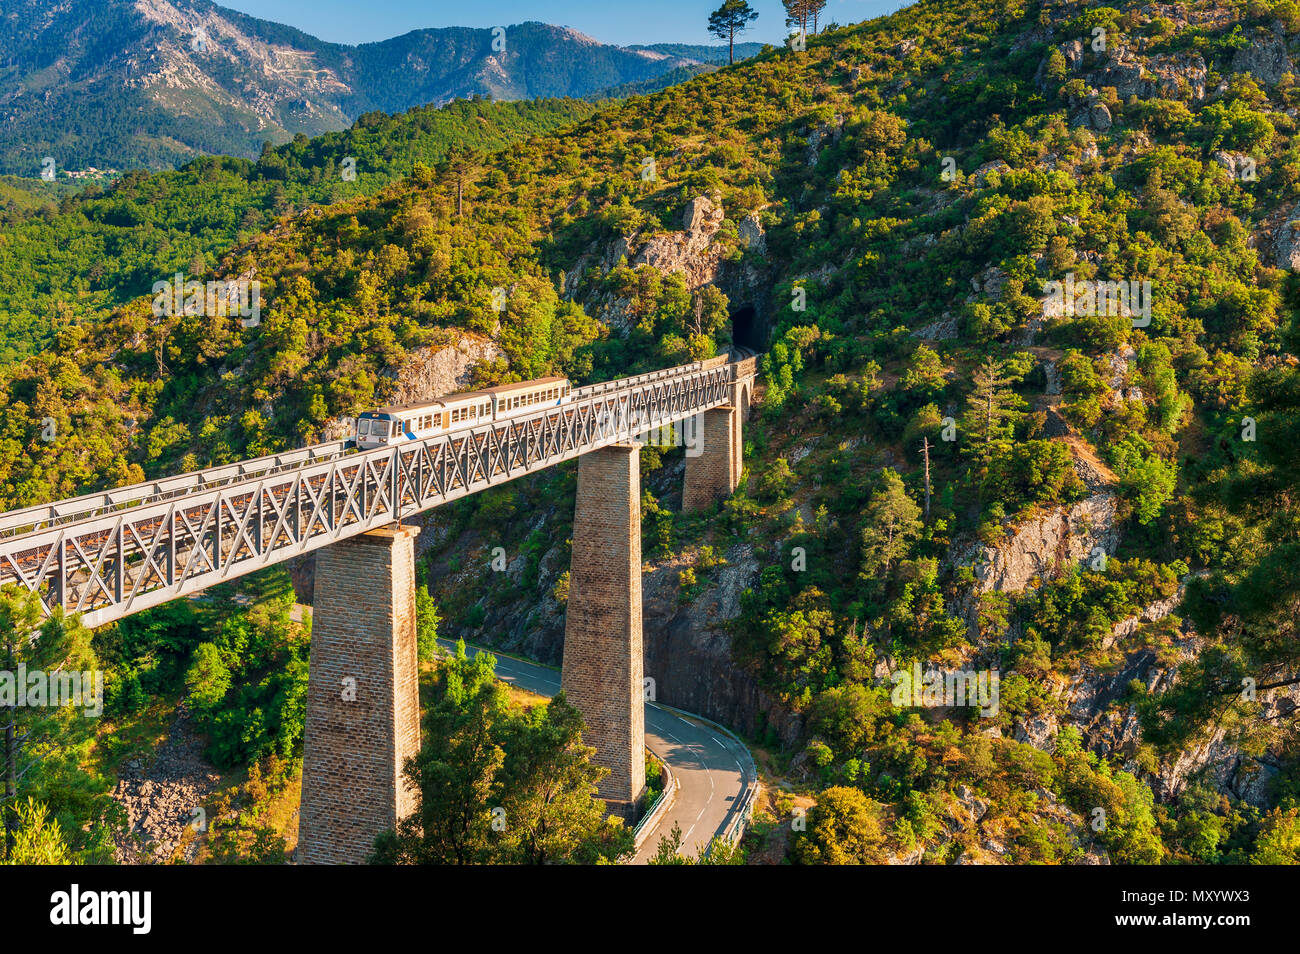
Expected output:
{"points": [[925, 449]]}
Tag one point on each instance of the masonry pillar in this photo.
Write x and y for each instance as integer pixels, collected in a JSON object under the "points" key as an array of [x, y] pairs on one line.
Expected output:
{"points": [[714, 472], [363, 703], [602, 633]]}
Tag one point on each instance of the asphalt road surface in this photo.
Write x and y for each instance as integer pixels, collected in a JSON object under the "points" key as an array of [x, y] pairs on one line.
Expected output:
{"points": [[711, 767]]}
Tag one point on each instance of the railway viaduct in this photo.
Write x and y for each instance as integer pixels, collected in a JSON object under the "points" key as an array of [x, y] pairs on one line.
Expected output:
{"points": [[108, 555]]}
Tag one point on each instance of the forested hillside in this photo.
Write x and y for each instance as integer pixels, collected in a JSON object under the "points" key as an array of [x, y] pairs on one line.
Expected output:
{"points": [[103, 247], [917, 215]]}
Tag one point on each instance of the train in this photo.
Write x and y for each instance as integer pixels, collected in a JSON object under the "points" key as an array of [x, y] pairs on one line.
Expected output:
{"points": [[398, 424]]}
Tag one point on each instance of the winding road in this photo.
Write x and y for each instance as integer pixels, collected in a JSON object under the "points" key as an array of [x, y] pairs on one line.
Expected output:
{"points": [[714, 770]]}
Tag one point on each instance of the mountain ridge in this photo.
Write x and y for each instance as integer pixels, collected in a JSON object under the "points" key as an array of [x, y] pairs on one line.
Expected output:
{"points": [[151, 83]]}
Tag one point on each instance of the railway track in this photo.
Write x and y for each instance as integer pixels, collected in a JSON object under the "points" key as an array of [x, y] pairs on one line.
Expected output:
{"points": [[110, 554]]}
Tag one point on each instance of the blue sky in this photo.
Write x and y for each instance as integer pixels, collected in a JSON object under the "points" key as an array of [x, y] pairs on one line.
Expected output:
{"points": [[610, 21]]}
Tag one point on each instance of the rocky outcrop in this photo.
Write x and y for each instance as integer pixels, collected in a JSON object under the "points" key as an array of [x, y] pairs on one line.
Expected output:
{"points": [[433, 372], [989, 284], [429, 373], [1181, 76], [827, 133], [692, 251], [1238, 165], [1094, 115], [1045, 545], [1265, 59], [688, 650], [942, 329], [752, 235], [1286, 242]]}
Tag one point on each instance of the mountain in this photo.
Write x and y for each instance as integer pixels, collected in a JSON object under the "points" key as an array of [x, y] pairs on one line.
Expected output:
{"points": [[702, 54], [1031, 324], [131, 83]]}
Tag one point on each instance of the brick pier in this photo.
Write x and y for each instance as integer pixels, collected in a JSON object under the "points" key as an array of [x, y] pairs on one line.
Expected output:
{"points": [[363, 704], [715, 472], [602, 673]]}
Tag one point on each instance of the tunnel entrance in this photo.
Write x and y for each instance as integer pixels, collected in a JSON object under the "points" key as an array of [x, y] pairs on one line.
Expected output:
{"points": [[744, 328]]}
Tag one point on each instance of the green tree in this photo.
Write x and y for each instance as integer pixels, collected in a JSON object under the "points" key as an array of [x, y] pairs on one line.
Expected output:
{"points": [[730, 19], [207, 679], [891, 521], [56, 643], [497, 786], [843, 829], [38, 838], [427, 621], [462, 166], [547, 787], [992, 408]]}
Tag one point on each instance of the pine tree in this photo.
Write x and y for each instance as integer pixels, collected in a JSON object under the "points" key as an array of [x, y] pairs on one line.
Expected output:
{"points": [[992, 409], [892, 519], [730, 19], [461, 165]]}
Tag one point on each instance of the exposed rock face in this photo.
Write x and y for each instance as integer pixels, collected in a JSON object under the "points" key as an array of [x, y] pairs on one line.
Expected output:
{"points": [[691, 251], [829, 132], [1046, 545], [434, 372], [1180, 76], [688, 653], [752, 235], [989, 284], [1286, 242], [1072, 50], [944, 328], [1237, 164], [1094, 116], [1266, 60], [429, 373]]}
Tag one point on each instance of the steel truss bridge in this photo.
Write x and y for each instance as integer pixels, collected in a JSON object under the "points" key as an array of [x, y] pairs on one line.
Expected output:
{"points": [[108, 555]]}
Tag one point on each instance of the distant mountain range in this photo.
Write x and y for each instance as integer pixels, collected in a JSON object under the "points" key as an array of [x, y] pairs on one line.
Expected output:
{"points": [[131, 83]]}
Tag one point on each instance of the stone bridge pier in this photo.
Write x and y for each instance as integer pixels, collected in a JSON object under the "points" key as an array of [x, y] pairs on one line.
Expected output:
{"points": [[363, 699], [714, 453], [602, 672]]}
